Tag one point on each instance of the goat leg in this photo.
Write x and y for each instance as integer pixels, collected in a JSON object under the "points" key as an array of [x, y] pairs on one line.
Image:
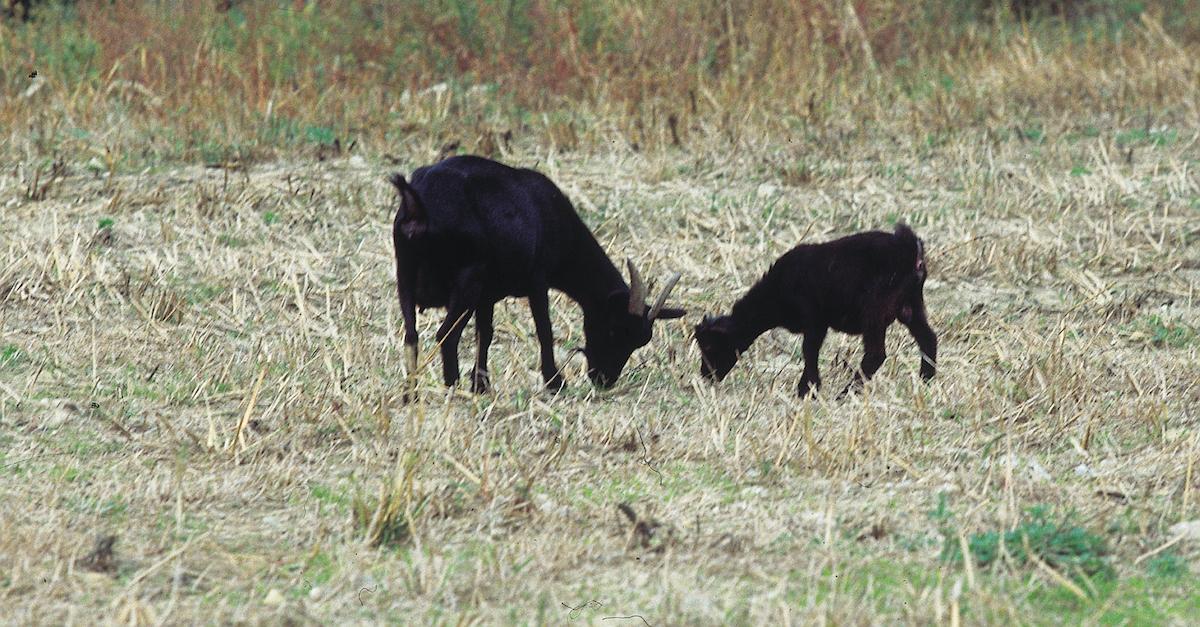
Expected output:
{"points": [[873, 355], [409, 393], [926, 339], [483, 331], [406, 289], [539, 306], [463, 300], [810, 380]]}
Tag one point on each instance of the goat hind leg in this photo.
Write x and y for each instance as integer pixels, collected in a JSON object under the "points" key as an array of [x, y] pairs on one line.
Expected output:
{"points": [[873, 355], [462, 304], [480, 382], [448, 336], [926, 339], [406, 287]]}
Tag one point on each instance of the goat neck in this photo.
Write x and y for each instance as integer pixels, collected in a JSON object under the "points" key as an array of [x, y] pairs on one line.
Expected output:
{"points": [[756, 313]]}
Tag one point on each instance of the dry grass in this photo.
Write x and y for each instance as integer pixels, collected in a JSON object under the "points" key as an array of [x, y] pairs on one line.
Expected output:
{"points": [[225, 443], [205, 363]]}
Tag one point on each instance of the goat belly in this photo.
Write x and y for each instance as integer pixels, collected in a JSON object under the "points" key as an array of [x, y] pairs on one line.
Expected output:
{"points": [[431, 290], [851, 328], [850, 324]]}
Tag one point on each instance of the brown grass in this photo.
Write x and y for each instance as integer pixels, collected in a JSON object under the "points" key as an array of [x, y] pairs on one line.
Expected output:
{"points": [[205, 362], [137, 84]]}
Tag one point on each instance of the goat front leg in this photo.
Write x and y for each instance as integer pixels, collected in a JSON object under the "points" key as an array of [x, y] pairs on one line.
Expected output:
{"points": [[539, 306], [462, 303], [810, 380], [480, 382], [873, 356], [918, 326]]}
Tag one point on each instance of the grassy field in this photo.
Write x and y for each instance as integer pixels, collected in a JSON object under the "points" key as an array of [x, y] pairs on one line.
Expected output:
{"points": [[200, 340]]}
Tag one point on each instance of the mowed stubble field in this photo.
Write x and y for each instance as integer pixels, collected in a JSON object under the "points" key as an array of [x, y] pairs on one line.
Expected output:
{"points": [[200, 367], [207, 363]]}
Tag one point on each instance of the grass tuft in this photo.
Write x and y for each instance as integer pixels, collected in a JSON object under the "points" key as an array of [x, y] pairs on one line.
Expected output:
{"points": [[388, 521], [1058, 543]]}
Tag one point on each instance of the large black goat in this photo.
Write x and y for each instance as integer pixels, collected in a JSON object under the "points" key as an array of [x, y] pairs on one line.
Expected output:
{"points": [[470, 231], [858, 284]]}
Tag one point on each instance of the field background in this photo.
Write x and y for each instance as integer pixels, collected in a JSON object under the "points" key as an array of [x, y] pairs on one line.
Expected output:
{"points": [[200, 341]]}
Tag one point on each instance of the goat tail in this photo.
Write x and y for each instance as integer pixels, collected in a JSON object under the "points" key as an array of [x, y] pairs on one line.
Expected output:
{"points": [[906, 235], [411, 219], [909, 240]]}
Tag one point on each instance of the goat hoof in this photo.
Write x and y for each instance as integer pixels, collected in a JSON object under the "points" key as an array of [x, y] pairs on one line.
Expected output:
{"points": [[408, 396], [556, 383], [807, 389], [480, 382]]}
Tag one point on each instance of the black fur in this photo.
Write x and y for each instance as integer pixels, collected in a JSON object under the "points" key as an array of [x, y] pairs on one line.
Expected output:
{"points": [[858, 285], [470, 231]]}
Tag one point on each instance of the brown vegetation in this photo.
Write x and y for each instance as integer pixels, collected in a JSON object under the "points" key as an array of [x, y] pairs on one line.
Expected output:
{"points": [[200, 346]]}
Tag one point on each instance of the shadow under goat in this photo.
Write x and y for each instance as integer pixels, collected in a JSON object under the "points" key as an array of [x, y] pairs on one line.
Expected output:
{"points": [[858, 284], [471, 231]]}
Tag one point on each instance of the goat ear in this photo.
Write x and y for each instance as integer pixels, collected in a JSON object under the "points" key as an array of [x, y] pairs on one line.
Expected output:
{"points": [[410, 218], [397, 181]]}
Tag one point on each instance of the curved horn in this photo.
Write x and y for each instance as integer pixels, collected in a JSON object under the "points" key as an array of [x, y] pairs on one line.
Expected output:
{"points": [[637, 290], [662, 298]]}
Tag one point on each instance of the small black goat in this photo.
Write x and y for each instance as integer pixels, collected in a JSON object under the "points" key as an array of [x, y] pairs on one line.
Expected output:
{"points": [[470, 231], [858, 285]]}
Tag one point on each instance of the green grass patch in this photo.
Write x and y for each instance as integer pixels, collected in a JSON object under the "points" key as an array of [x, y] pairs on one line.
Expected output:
{"points": [[317, 570], [887, 585], [1033, 133], [1154, 137], [231, 241], [1161, 333], [326, 495], [1169, 565], [1132, 601], [11, 356], [1175, 335], [319, 134], [1058, 543]]}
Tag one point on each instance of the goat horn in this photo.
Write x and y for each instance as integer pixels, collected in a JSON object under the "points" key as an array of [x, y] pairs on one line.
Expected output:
{"points": [[662, 297], [637, 290]]}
